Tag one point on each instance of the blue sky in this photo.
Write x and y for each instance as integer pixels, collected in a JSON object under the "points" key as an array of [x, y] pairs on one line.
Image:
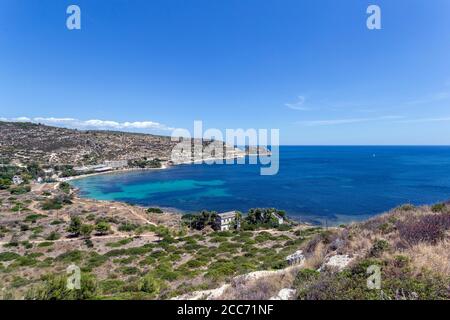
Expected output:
{"points": [[310, 68]]}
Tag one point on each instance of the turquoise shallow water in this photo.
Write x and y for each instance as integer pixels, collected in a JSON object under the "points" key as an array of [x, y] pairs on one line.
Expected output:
{"points": [[336, 184]]}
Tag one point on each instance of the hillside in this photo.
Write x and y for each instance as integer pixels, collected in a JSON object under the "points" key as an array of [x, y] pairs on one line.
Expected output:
{"points": [[128, 252], [410, 246], [29, 142]]}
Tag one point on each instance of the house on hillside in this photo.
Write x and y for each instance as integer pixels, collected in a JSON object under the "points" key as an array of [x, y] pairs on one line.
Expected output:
{"points": [[279, 218], [16, 180], [226, 221]]}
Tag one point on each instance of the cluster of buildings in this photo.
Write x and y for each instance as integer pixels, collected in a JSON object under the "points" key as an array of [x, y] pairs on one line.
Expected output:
{"points": [[106, 166]]}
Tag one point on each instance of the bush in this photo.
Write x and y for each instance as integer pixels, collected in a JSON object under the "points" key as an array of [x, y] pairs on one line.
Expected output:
{"points": [[149, 284], [379, 247], [102, 228], [64, 187], [128, 227], [55, 288], [406, 207], [34, 217], [154, 210], [53, 236], [119, 243], [52, 204], [74, 226], [8, 256], [20, 190], [429, 228], [86, 230], [440, 207]]}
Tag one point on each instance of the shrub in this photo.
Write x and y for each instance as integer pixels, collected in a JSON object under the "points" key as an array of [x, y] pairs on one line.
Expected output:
{"points": [[74, 226], [45, 244], [8, 256], [86, 230], [55, 288], [440, 207], [305, 275], [406, 207], [102, 228], [119, 243], [34, 217], [154, 210], [111, 286], [429, 228], [20, 190], [128, 227], [64, 187], [379, 247], [53, 236], [149, 284], [52, 204]]}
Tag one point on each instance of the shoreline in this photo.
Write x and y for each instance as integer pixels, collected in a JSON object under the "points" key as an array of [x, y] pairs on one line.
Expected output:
{"points": [[164, 166]]}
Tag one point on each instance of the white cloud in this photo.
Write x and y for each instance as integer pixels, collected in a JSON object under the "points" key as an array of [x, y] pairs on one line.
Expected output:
{"points": [[94, 123], [313, 123], [299, 105]]}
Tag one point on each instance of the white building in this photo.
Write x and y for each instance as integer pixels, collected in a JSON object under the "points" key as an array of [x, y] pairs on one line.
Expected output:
{"points": [[95, 168], [117, 164], [226, 220], [17, 180], [278, 217]]}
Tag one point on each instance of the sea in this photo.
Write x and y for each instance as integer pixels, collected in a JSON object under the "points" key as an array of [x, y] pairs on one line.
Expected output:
{"points": [[316, 184]]}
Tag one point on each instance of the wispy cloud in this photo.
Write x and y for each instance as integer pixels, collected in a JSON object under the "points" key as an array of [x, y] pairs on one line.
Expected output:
{"points": [[436, 97], [299, 105], [94, 123], [423, 120], [331, 122]]}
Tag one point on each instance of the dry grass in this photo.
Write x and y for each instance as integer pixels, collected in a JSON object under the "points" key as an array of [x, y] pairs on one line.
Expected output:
{"points": [[261, 289], [435, 258]]}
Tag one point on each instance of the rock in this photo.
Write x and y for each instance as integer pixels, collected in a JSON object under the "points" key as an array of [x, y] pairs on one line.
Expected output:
{"points": [[339, 262], [296, 258], [284, 294]]}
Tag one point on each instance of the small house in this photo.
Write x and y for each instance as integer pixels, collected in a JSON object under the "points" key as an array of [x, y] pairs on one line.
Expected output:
{"points": [[279, 218], [226, 221], [16, 180]]}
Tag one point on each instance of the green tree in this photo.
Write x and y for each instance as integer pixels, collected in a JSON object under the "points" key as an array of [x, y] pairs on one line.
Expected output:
{"points": [[86, 230], [102, 227], [74, 226]]}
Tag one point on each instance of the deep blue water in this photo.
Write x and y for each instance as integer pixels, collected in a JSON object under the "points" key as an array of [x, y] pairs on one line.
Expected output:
{"points": [[337, 184]]}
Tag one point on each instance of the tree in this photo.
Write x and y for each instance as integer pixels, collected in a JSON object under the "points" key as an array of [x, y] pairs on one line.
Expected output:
{"points": [[5, 183], [86, 230], [74, 226], [102, 228]]}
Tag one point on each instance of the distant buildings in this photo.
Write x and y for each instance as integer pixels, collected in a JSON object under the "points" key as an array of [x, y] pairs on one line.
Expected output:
{"points": [[118, 164], [226, 221], [92, 168]]}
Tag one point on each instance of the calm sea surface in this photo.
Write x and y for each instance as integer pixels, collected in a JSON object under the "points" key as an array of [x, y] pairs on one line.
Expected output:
{"points": [[316, 184]]}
